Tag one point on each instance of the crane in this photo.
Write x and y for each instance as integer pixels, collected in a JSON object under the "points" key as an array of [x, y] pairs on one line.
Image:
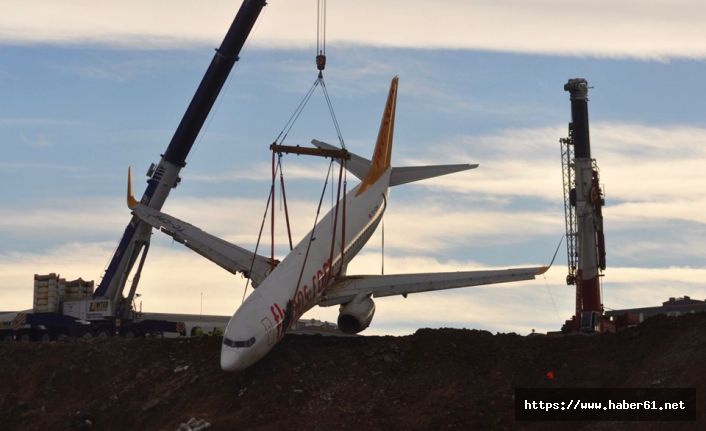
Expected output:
{"points": [[165, 175], [583, 202], [108, 308]]}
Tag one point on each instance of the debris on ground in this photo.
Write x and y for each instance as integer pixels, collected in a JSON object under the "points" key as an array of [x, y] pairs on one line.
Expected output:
{"points": [[433, 379]]}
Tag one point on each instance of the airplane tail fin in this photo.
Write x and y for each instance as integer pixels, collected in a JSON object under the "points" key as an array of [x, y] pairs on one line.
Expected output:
{"points": [[369, 171], [383, 147]]}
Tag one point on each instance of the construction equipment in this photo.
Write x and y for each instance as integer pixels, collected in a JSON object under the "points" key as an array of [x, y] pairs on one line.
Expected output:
{"points": [[115, 312], [583, 202]]}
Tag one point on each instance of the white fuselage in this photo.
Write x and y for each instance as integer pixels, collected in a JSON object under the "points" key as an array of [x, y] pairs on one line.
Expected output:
{"points": [[302, 277]]}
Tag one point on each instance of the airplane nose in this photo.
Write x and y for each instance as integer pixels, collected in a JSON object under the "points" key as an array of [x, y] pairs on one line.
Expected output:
{"points": [[231, 360], [240, 348], [238, 355]]}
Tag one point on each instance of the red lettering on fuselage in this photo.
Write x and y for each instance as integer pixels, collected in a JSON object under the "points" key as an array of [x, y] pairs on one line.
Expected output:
{"points": [[304, 297], [275, 314]]}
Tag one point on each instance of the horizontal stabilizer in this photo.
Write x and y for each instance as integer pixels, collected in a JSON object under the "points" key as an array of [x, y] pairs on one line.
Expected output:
{"points": [[359, 166], [410, 174], [402, 284]]}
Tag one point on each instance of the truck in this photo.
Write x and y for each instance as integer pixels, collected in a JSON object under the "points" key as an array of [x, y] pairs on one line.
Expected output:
{"points": [[107, 310], [63, 309]]}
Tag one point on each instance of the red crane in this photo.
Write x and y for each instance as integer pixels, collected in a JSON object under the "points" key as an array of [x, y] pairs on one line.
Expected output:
{"points": [[583, 202]]}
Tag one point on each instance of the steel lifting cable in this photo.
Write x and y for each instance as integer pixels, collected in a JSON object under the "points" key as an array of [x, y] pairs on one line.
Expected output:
{"points": [[311, 237], [284, 200], [546, 283], [333, 113], [321, 65], [335, 217], [272, 216], [282, 136], [259, 237], [321, 62], [343, 216], [382, 249], [300, 108], [321, 35], [297, 112]]}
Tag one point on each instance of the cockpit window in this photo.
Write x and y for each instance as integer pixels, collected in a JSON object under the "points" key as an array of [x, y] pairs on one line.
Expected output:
{"points": [[232, 343]]}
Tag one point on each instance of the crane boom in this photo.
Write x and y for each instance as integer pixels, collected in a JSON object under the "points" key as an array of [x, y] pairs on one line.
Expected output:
{"points": [[165, 175]]}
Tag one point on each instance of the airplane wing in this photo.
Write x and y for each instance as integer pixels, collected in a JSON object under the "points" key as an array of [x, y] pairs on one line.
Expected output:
{"points": [[402, 284], [226, 255]]}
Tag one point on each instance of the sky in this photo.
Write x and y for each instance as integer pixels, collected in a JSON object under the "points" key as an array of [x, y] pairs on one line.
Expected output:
{"points": [[88, 88]]}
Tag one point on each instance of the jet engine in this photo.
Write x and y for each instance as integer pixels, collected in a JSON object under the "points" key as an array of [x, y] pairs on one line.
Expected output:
{"points": [[356, 315]]}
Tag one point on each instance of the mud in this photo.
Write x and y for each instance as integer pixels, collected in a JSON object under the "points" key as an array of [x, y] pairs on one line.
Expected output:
{"points": [[434, 379]]}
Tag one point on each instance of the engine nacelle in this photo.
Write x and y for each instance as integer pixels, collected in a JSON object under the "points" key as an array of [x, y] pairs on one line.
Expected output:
{"points": [[356, 315]]}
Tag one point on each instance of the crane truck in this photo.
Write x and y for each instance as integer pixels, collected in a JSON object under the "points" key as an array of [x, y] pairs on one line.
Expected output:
{"points": [[583, 202], [107, 310]]}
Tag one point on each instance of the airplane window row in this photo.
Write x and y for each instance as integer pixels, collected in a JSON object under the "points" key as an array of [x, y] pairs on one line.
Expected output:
{"points": [[247, 343]]}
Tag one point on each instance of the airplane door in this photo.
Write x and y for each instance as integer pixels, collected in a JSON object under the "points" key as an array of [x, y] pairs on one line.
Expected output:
{"points": [[270, 330]]}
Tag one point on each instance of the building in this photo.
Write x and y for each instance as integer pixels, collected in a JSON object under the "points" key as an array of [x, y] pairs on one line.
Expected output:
{"points": [[672, 307]]}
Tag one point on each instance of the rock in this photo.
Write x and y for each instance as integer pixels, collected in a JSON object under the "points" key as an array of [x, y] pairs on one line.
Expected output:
{"points": [[194, 424], [82, 421], [150, 404]]}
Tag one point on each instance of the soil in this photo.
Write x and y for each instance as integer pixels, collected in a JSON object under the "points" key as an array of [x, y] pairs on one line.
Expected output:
{"points": [[433, 379]]}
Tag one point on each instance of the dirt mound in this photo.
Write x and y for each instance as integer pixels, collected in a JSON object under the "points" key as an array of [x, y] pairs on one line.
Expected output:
{"points": [[434, 379]]}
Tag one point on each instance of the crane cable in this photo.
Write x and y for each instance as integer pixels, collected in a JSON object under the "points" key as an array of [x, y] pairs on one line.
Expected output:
{"points": [[320, 65], [259, 237], [546, 283], [321, 62], [295, 115], [282, 136], [332, 113], [284, 201], [308, 245], [321, 36]]}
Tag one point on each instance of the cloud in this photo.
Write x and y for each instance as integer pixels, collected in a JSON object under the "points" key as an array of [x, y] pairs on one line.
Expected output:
{"points": [[38, 122], [7, 76], [541, 304], [238, 220], [20, 166], [82, 217], [648, 171], [513, 198], [261, 172], [651, 29], [428, 225], [651, 243], [175, 277], [114, 69], [653, 218], [37, 142]]}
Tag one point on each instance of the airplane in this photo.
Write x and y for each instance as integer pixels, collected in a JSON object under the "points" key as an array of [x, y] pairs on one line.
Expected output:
{"points": [[314, 272]]}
